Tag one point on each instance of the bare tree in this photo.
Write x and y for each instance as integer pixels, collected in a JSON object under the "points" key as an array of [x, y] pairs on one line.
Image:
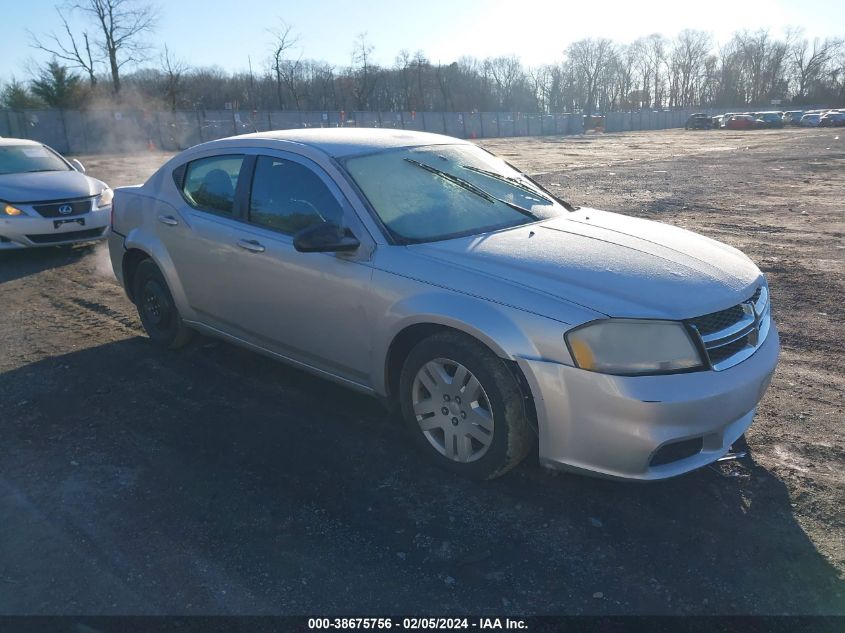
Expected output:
{"points": [[588, 58], [507, 74], [448, 79], [76, 50], [656, 52], [540, 77], [174, 70], [121, 29], [808, 61], [363, 72], [689, 51], [403, 66], [285, 71]]}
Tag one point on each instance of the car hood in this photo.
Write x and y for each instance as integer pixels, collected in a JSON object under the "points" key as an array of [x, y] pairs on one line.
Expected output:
{"points": [[48, 185], [610, 263]]}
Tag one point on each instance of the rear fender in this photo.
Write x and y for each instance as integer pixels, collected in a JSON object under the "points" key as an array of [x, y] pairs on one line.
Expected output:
{"points": [[143, 240]]}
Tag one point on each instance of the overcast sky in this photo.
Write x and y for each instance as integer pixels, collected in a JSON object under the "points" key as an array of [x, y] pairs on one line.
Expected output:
{"points": [[228, 33]]}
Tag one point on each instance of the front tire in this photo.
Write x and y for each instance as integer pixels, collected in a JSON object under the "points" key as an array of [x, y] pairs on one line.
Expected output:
{"points": [[156, 308], [463, 406]]}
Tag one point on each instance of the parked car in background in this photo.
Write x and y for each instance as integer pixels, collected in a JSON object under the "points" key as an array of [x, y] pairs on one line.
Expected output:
{"points": [[422, 269], [741, 122], [792, 117], [46, 200], [810, 120], [727, 116], [770, 119], [718, 121], [832, 119], [698, 121]]}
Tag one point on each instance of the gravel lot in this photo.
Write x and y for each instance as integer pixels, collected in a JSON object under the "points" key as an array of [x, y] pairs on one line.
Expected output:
{"points": [[215, 481]]}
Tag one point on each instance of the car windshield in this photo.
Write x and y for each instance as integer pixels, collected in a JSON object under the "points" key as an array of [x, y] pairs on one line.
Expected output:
{"points": [[20, 159], [438, 192]]}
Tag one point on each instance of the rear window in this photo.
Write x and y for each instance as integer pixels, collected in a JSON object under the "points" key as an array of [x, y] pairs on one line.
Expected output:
{"points": [[210, 183]]}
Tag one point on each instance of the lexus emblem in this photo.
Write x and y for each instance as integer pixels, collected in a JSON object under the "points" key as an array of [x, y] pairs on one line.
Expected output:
{"points": [[65, 209]]}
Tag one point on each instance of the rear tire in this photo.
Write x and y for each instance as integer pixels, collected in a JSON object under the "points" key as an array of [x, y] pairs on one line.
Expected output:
{"points": [[463, 406], [156, 308]]}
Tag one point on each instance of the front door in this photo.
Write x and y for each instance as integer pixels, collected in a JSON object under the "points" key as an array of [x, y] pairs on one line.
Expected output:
{"points": [[310, 307]]}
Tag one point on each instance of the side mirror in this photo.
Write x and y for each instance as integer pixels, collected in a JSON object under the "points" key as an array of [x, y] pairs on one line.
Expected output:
{"points": [[325, 237], [77, 165]]}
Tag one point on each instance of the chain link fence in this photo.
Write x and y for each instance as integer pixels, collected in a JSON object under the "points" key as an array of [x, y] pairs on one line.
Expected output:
{"points": [[121, 131]]}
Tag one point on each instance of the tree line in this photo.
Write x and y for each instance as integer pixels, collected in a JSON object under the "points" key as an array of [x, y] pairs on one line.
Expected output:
{"points": [[108, 64]]}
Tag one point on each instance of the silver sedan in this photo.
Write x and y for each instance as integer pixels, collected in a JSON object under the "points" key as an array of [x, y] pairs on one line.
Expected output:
{"points": [[425, 271], [46, 200]]}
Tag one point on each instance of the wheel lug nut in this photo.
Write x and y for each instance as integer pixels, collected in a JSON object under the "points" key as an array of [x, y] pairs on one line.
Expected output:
{"points": [[444, 411], [446, 397], [463, 415], [454, 421], [458, 399]]}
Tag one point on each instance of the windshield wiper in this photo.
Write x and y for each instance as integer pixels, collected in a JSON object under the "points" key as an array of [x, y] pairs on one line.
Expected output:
{"points": [[457, 180], [466, 184], [508, 179], [566, 205]]}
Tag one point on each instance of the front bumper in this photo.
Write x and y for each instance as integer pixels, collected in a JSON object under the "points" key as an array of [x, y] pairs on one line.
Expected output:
{"points": [[613, 426], [28, 231]]}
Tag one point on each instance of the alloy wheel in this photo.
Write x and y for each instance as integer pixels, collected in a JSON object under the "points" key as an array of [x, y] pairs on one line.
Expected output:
{"points": [[452, 410]]}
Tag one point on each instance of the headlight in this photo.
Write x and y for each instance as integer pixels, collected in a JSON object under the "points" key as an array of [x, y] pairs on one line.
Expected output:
{"points": [[8, 209], [633, 347], [105, 198]]}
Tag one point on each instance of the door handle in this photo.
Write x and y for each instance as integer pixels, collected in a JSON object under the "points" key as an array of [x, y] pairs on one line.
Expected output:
{"points": [[169, 220], [251, 245]]}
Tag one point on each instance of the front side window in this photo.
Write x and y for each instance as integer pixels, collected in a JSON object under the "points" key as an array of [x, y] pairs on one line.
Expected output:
{"points": [[424, 194], [24, 159], [288, 197], [210, 183]]}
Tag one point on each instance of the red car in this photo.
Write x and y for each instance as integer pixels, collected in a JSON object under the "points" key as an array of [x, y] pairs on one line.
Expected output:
{"points": [[741, 122]]}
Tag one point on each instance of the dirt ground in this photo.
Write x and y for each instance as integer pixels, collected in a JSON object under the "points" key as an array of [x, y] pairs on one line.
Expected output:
{"points": [[215, 481]]}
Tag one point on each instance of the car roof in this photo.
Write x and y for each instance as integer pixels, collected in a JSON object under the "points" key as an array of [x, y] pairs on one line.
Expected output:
{"points": [[349, 141], [17, 141]]}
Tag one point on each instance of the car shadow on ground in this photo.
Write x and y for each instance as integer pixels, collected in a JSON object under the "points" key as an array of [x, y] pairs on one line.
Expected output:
{"points": [[15, 264], [213, 480]]}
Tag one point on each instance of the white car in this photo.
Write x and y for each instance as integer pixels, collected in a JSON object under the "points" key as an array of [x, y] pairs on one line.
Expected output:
{"points": [[46, 200], [810, 120]]}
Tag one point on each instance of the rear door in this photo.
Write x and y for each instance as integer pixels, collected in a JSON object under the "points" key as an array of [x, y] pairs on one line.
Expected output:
{"points": [[198, 235]]}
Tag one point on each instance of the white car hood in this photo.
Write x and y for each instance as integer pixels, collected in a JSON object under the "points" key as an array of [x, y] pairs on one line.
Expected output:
{"points": [[48, 185], [613, 264]]}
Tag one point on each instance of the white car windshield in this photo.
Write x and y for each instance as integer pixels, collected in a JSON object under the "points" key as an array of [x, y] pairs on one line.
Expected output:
{"points": [[437, 192], [21, 159]]}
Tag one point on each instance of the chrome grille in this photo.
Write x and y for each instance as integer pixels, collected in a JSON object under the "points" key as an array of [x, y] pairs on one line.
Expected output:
{"points": [[732, 335], [716, 321], [60, 209]]}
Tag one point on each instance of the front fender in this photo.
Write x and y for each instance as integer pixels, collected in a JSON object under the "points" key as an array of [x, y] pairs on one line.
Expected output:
{"points": [[511, 333]]}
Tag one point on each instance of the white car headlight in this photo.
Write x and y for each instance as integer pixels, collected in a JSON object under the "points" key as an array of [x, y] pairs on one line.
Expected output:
{"points": [[633, 347], [10, 210], [105, 198]]}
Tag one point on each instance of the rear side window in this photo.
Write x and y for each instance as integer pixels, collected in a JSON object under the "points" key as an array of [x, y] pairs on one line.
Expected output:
{"points": [[288, 197], [210, 183]]}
